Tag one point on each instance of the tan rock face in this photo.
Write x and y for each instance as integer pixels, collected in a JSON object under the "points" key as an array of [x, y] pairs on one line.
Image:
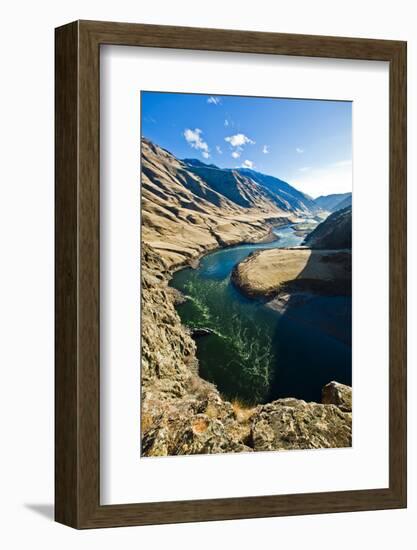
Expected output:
{"points": [[208, 424], [168, 351], [196, 424], [339, 395], [181, 413], [295, 424]]}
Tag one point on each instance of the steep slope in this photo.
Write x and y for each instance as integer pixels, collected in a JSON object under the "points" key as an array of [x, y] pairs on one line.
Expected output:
{"points": [[183, 414], [189, 207], [334, 233], [286, 195], [240, 190], [334, 202], [344, 203]]}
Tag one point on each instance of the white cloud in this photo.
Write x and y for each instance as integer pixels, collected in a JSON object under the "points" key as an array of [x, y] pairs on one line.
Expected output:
{"points": [[248, 164], [214, 100], [299, 150], [265, 149], [193, 138], [237, 140], [226, 122], [236, 154], [219, 150], [304, 169]]}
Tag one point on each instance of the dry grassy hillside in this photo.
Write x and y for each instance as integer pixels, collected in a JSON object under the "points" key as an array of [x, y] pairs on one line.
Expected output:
{"points": [[269, 272], [183, 216]]}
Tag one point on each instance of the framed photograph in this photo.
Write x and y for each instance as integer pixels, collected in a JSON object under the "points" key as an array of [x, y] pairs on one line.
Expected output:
{"points": [[230, 274]]}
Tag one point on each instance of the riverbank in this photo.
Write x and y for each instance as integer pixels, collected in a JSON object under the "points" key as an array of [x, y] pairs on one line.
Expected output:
{"points": [[267, 237], [184, 414], [268, 273]]}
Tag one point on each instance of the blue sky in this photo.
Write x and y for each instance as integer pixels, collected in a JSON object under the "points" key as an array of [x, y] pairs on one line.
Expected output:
{"points": [[307, 143]]}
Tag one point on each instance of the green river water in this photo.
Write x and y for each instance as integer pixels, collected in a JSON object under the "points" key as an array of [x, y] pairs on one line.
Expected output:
{"points": [[256, 354]]}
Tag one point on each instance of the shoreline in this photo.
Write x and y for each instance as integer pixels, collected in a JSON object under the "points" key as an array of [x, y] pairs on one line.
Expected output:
{"points": [[267, 274], [183, 413], [193, 263]]}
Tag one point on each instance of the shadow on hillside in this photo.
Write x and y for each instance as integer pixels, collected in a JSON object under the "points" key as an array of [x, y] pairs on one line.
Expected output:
{"points": [[313, 336]]}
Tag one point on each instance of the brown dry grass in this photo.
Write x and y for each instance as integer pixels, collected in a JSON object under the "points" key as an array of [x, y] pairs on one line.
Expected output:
{"points": [[146, 422], [267, 271], [242, 412]]}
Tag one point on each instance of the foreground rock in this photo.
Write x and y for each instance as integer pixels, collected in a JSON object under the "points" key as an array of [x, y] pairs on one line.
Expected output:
{"points": [[206, 424], [269, 272], [295, 424], [199, 424], [338, 394]]}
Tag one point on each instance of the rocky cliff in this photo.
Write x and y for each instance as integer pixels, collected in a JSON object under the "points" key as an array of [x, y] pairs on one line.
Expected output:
{"points": [[183, 414], [334, 233]]}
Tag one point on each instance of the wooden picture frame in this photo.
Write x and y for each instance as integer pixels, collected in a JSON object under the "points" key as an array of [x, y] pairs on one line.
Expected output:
{"points": [[77, 408]]}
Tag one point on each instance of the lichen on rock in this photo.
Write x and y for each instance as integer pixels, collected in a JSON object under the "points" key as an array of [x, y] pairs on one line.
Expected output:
{"points": [[294, 424], [338, 394]]}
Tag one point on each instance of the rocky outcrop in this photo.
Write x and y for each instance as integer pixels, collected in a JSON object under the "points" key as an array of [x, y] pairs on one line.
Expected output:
{"points": [[201, 423], [295, 424], [168, 351], [339, 395], [181, 413]]}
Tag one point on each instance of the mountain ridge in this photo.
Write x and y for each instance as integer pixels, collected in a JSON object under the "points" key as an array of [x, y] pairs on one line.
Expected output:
{"points": [[335, 201], [189, 207], [335, 232]]}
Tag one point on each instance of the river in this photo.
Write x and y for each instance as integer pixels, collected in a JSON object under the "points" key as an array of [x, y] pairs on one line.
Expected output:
{"points": [[256, 354]]}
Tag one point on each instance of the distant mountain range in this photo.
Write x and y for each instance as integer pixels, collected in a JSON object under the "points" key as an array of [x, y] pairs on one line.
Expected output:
{"points": [[334, 202]]}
